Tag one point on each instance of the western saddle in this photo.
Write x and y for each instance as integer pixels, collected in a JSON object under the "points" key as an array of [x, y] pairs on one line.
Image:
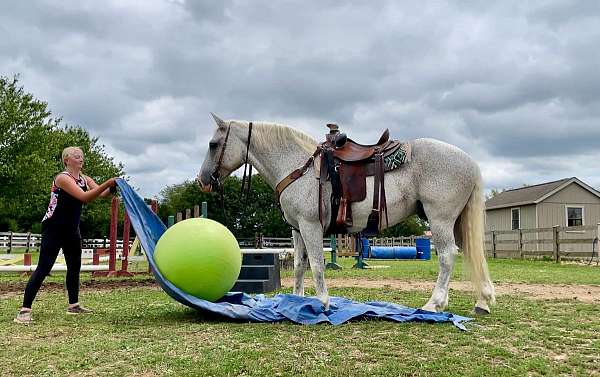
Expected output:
{"points": [[347, 164]]}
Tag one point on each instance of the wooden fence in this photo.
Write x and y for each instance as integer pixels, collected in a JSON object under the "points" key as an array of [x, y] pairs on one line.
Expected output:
{"points": [[28, 241], [31, 242], [557, 242], [346, 244]]}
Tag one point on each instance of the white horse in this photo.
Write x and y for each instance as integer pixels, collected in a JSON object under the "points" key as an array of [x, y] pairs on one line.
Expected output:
{"points": [[440, 176]]}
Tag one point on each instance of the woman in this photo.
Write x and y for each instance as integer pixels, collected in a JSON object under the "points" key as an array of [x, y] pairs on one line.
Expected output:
{"points": [[60, 230]]}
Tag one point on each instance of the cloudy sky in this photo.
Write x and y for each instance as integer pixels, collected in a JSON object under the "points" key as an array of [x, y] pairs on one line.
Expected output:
{"points": [[514, 84]]}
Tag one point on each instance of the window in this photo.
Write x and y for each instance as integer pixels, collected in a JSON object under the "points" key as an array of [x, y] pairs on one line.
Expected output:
{"points": [[516, 218], [574, 216]]}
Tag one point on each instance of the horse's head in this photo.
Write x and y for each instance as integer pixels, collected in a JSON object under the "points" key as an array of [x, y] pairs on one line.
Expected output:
{"points": [[226, 152]]}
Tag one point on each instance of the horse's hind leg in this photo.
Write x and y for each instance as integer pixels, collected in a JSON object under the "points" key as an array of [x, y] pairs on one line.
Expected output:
{"points": [[443, 238], [300, 263]]}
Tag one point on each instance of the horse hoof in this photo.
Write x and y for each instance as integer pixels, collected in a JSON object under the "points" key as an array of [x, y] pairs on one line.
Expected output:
{"points": [[481, 311], [430, 308]]}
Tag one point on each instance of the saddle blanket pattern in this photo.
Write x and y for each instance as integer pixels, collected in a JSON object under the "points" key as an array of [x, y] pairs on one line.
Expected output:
{"points": [[398, 158]]}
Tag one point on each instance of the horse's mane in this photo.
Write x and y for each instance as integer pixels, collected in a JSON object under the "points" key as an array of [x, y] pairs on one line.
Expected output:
{"points": [[267, 135]]}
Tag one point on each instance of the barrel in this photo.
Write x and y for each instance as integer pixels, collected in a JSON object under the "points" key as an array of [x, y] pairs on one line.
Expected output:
{"points": [[382, 252], [423, 248], [405, 252], [397, 252]]}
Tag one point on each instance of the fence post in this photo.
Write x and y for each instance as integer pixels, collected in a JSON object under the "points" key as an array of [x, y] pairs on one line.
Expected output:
{"points": [[179, 216], [494, 244], [556, 243], [154, 208], [188, 213], [520, 244], [10, 241], [196, 211], [597, 243], [114, 220], [28, 242], [125, 254], [27, 259]]}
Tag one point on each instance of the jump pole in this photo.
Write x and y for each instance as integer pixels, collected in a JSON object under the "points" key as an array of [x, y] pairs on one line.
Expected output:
{"points": [[112, 250]]}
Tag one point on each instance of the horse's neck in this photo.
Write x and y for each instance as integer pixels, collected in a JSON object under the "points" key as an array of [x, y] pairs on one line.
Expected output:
{"points": [[276, 162]]}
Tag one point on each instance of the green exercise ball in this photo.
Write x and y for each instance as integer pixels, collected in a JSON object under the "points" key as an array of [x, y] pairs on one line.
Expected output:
{"points": [[199, 256]]}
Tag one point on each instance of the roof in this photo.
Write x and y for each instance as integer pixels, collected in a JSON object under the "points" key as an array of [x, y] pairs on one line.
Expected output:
{"points": [[533, 194]]}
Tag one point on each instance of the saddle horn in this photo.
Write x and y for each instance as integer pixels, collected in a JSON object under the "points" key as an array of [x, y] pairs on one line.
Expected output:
{"points": [[339, 140]]}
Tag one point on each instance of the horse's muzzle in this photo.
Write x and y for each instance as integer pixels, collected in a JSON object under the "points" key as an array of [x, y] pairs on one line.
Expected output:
{"points": [[203, 187]]}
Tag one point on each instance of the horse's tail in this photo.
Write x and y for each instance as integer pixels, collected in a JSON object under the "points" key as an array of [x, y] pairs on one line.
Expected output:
{"points": [[472, 223]]}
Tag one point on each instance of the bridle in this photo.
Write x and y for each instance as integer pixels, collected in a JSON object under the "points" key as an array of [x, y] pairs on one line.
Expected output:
{"points": [[215, 176]]}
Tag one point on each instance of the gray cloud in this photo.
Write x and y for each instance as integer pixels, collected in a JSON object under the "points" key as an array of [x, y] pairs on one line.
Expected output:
{"points": [[515, 84]]}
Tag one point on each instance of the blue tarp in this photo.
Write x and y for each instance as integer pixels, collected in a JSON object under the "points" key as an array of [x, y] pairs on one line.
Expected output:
{"points": [[282, 307]]}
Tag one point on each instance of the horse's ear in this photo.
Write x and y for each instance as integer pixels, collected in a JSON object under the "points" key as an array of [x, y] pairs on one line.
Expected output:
{"points": [[220, 122]]}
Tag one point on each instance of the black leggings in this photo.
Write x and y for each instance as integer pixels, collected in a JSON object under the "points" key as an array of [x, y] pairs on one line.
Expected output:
{"points": [[52, 241]]}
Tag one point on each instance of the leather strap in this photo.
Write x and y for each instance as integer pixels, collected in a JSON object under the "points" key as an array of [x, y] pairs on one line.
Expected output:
{"points": [[246, 165], [215, 175], [293, 176]]}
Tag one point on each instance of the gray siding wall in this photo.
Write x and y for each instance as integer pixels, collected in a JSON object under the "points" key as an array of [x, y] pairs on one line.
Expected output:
{"points": [[500, 219], [528, 217], [552, 210], [497, 219]]}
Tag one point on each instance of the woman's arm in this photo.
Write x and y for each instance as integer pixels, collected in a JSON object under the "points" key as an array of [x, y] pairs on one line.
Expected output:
{"points": [[92, 185], [67, 183]]}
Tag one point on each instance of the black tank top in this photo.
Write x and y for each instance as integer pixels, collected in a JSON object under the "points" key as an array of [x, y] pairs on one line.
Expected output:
{"points": [[64, 210]]}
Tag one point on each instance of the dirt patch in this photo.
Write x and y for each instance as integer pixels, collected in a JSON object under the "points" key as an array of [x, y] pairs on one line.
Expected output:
{"points": [[12, 289], [584, 293]]}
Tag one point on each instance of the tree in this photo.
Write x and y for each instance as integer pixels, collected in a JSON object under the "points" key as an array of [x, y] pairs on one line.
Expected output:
{"points": [[494, 192], [30, 156], [244, 217], [411, 226]]}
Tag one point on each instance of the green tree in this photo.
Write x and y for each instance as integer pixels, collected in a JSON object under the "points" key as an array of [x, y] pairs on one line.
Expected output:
{"points": [[245, 217], [493, 192], [30, 156], [412, 225]]}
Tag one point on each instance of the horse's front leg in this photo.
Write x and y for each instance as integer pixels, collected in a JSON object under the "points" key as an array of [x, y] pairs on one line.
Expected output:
{"points": [[300, 263], [312, 234]]}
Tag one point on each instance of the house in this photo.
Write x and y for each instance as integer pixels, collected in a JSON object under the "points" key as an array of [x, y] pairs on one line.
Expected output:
{"points": [[566, 202]]}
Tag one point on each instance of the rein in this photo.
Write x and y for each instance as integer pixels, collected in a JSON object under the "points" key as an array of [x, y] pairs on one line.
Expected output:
{"points": [[246, 165], [217, 179]]}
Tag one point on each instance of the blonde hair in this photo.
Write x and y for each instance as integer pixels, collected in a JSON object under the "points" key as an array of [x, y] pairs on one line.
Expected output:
{"points": [[67, 152]]}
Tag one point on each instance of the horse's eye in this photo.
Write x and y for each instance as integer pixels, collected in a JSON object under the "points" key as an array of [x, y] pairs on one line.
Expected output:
{"points": [[213, 145]]}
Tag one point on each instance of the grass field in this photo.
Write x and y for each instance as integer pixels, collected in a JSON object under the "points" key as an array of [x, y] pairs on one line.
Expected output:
{"points": [[137, 330]]}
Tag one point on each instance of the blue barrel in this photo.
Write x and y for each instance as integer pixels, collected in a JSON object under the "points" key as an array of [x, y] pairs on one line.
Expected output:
{"points": [[382, 252], [405, 252], [397, 252], [423, 248], [365, 247]]}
